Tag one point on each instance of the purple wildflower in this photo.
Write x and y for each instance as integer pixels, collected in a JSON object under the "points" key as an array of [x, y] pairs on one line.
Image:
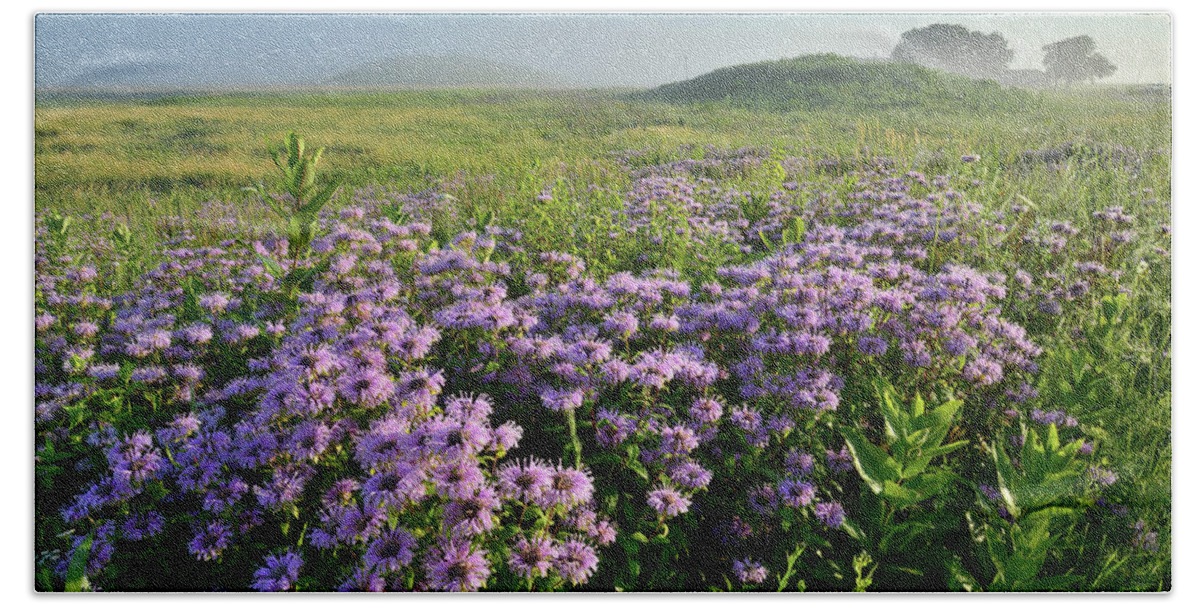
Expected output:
{"points": [[279, 573], [668, 501], [533, 557], [830, 513], [454, 566], [749, 572], [208, 544], [577, 561], [391, 551], [567, 487]]}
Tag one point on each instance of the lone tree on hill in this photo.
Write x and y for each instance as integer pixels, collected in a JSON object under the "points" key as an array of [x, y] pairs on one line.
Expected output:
{"points": [[1076, 59], [954, 48]]}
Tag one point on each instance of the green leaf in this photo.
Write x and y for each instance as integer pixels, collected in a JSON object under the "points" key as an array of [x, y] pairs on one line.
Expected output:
{"points": [[1059, 582], [799, 230], [1052, 438], [959, 578], [765, 241], [939, 421], [77, 569], [942, 450], [895, 419], [318, 200], [273, 267], [873, 464], [295, 149], [930, 484], [1005, 474], [900, 495]]}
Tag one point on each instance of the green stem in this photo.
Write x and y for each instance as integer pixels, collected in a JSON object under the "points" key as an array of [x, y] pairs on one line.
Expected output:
{"points": [[576, 447]]}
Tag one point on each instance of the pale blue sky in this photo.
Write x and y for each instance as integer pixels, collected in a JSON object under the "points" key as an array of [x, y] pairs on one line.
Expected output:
{"points": [[587, 49]]}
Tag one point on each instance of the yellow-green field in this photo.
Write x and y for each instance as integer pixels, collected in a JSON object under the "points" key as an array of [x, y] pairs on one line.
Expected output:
{"points": [[100, 155]]}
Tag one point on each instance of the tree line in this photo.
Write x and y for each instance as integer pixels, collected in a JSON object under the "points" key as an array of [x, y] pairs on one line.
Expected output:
{"points": [[956, 49]]}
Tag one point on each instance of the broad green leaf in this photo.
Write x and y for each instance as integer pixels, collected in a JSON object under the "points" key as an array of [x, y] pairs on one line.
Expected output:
{"points": [[637, 467], [44, 580], [873, 464], [959, 579], [930, 484], [901, 496], [941, 450], [895, 420], [318, 200], [273, 267], [77, 569], [1059, 582], [766, 242], [1005, 475]]}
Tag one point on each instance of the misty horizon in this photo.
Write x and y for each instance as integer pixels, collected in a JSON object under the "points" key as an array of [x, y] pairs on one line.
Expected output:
{"points": [[264, 50]]}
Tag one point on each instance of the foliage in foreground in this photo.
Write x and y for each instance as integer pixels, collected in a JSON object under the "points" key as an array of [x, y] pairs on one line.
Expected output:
{"points": [[858, 382]]}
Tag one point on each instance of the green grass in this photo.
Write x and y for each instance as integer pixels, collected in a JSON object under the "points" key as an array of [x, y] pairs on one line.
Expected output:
{"points": [[95, 156]]}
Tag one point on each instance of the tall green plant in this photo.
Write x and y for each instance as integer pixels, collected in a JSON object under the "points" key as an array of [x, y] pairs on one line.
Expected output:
{"points": [[899, 476], [299, 180], [1042, 491]]}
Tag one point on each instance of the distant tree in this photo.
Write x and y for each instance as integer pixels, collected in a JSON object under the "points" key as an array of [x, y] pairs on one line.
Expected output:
{"points": [[1076, 59], [954, 48]]}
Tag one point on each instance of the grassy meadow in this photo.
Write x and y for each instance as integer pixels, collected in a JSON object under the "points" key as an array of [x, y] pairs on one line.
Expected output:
{"points": [[568, 169]]}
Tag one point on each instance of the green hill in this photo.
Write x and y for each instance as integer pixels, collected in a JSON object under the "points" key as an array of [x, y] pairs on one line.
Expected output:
{"points": [[831, 81]]}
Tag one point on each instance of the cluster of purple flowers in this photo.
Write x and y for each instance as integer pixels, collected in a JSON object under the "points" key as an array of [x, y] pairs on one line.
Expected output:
{"points": [[353, 413]]}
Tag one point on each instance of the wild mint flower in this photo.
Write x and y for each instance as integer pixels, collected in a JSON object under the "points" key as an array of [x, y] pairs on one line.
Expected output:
{"points": [[706, 410], [391, 551], [562, 400], [140, 527], [531, 558], [691, 475], [796, 493], [839, 462], [454, 566], [103, 371], [799, 463], [364, 579], [830, 513], [678, 440], [459, 477], [1144, 539], [749, 572], [279, 573], [567, 487], [224, 495], [1101, 477], [208, 544], [603, 532], [524, 482], [668, 501], [472, 514], [576, 561]]}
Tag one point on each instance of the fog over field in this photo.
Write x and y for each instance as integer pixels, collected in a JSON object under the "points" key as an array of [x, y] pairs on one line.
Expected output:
{"points": [[156, 51]]}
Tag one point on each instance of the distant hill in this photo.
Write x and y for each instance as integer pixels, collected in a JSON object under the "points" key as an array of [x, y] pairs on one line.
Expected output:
{"points": [[408, 72], [440, 71], [130, 76], [833, 81]]}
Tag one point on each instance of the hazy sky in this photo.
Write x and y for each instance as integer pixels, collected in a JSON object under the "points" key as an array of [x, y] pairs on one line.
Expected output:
{"points": [[586, 49]]}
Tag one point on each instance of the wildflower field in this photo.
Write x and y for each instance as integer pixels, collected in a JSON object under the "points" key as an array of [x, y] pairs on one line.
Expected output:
{"points": [[512, 341]]}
